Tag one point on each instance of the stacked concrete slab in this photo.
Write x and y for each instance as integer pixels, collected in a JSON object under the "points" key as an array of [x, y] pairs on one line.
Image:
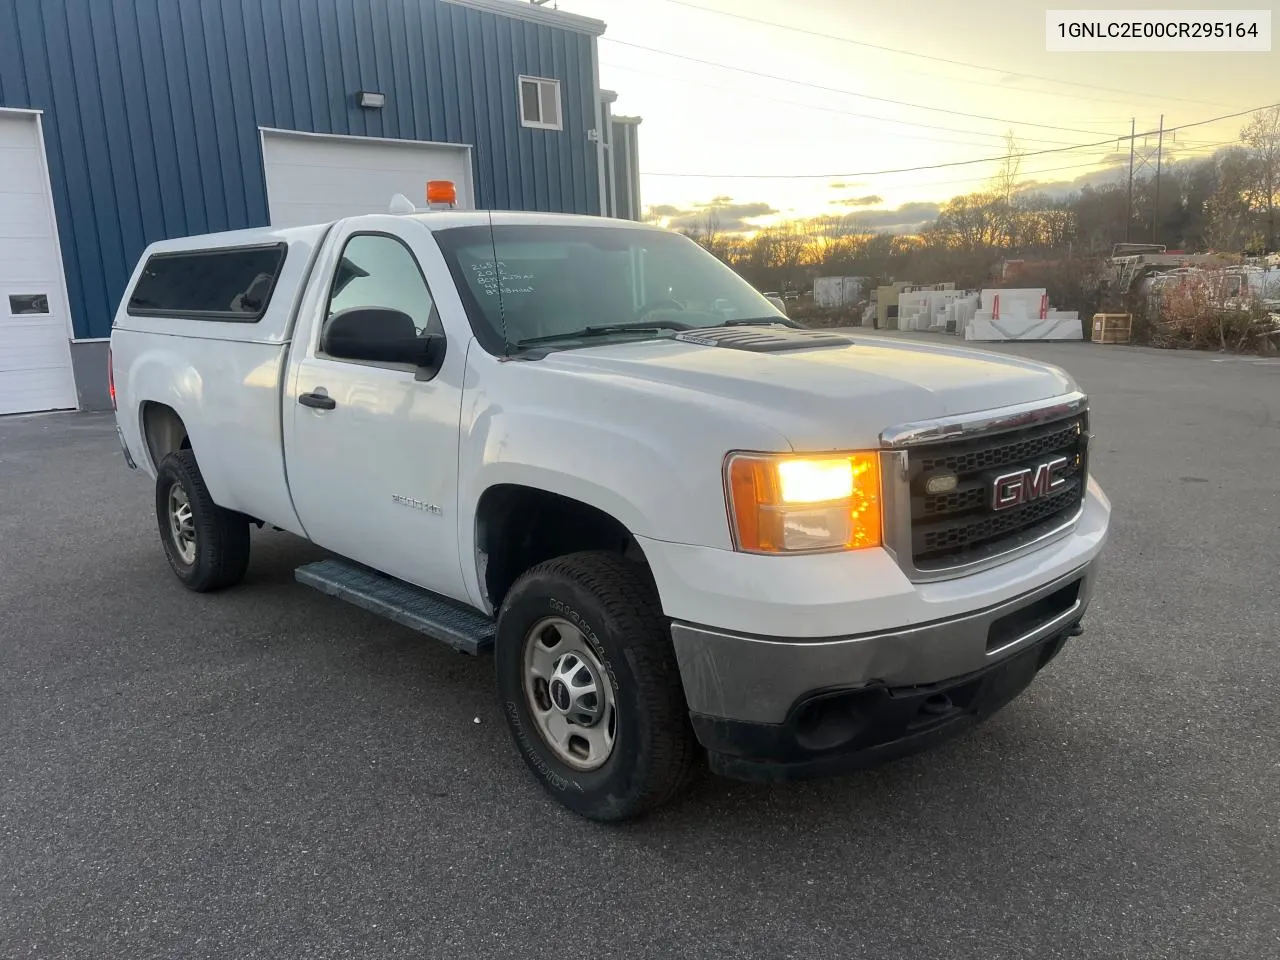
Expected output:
{"points": [[1021, 314], [912, 305], [925, 309], [957, 314], [886, 297]]}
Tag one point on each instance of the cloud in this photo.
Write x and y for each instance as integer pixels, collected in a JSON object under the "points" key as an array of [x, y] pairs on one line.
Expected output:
{"points": [[849, 185], [1115, 171], [1061, 189], [666, 210], [729, 217], [870, 200], [904, 219]]}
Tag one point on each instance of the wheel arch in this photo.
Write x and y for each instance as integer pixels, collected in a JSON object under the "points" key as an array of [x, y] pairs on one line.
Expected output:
{"points": [[519, 525], [163, 430]]}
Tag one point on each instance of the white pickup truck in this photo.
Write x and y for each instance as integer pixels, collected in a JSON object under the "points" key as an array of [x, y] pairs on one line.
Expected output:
{"points": [[690, 530]]}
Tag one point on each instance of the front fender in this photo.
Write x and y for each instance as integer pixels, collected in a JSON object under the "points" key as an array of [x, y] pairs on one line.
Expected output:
{"points": [[629, 477], [649, 455], [537, 450]]}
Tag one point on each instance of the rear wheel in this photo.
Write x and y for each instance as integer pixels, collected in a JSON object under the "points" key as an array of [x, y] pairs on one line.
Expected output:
{"points": [[590, 687], [207, 546]]}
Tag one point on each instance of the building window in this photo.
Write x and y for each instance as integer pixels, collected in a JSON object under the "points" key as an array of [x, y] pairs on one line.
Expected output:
{"points": [[21, 304], [540, 103]]}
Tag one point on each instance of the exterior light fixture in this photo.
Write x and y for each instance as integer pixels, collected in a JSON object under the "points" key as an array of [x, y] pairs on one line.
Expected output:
{"points": [[373, 101]]}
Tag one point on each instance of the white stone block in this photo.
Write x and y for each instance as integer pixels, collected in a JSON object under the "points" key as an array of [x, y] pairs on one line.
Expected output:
{"points": [[1029, 294], [1055, 328]]}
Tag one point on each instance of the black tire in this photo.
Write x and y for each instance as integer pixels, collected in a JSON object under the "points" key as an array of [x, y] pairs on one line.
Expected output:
{"points": [[615, 606], [221, 547]]}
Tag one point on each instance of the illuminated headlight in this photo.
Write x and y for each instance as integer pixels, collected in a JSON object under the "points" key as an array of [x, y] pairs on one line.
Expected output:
{"points": [[799, 504]]}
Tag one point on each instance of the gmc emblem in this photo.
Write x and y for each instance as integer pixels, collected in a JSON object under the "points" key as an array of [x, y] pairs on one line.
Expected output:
{"points": [[1031, 483]]}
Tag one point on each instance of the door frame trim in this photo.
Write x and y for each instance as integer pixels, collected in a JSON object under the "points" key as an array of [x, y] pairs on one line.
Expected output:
{"points": [[466, 190], [43, 154]]}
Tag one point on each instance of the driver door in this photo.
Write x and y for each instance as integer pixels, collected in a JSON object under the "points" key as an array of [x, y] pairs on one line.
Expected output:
{"points": [[372, 447]]}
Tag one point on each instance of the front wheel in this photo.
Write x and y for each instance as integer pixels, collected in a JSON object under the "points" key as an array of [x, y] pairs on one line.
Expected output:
{"points": [[590, 687], [207, 546]]}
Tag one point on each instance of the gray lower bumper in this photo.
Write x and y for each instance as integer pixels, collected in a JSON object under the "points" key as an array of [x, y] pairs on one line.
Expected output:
{"points": [[759, 679]]}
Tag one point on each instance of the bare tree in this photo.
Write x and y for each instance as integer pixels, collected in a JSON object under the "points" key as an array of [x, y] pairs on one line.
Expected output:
{"points": [[1005, 183], [1262, 134], [1004, 188], [707, 229], [790, 244], [831, 240], [708, 232], [1228, 209], [970, 222]]}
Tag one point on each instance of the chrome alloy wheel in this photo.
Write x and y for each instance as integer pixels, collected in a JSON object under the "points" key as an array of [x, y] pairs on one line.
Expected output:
{"points": [[182, 526], [569, 694]]}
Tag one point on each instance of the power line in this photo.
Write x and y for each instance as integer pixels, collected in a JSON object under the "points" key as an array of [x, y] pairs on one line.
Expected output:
{"points": [[846, 113], [1075, 166], [956, 63], [1112, 168], [953, 163], [849, 93]]}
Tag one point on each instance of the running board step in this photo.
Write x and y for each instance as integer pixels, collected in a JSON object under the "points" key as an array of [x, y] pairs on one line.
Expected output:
{"points": [[438, 617]]}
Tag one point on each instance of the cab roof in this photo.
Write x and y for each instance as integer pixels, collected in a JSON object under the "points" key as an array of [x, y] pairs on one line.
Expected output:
{"points": [[447, 219], [431, 219]]}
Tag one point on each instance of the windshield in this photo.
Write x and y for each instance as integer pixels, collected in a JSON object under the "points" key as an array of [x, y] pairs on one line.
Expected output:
{"points": [[562, 285]]}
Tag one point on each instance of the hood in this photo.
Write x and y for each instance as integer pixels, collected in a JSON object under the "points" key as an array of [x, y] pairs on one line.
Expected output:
{"points": [[820, 390]]}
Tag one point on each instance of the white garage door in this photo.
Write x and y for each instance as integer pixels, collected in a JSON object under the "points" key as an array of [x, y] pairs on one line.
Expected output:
{"points": [[313, 178], [35, 353]]}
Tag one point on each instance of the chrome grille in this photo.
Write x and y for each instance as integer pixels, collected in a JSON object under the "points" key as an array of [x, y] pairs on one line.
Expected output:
{"points": [[999, 451]]}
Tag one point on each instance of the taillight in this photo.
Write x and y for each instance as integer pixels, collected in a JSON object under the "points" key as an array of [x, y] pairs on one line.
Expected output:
{"points": [[111, 378]]}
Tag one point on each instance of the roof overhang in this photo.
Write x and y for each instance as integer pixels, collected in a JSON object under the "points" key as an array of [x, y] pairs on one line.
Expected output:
{"points": [[522, 10]]}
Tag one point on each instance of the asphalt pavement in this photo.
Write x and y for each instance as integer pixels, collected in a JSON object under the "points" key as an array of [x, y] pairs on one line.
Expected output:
{"points": [[269, 773]]}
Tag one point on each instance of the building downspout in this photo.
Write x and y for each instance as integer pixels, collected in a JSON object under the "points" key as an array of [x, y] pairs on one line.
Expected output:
{"points": [[600, 133], [613, 172], [633, 179]]}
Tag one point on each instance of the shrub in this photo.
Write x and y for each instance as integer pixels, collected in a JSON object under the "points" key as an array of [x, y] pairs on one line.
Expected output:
{"points": [[822, 317], [1189, 314]]}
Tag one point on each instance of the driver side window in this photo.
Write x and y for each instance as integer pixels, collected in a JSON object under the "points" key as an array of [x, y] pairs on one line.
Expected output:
{"points": [[378, 271]]}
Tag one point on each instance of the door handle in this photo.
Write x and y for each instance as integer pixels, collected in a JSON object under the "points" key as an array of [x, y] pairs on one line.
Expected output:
{"points": [[317, 401]]}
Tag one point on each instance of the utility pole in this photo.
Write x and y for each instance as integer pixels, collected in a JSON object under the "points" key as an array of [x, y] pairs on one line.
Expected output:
{"points": [[1128, 218], [1155, 212]]}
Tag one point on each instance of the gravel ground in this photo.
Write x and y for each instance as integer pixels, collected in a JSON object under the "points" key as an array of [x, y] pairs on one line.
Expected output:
{"points": [[269, 773]]}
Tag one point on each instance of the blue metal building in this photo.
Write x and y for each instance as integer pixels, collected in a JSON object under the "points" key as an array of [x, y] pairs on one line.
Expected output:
{"points": [[128, 121]]}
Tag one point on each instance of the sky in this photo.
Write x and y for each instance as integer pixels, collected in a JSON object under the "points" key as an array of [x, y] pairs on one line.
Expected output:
{"points": [[786, 117]]}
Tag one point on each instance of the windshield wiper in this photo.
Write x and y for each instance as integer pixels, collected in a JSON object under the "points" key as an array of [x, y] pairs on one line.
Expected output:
{"points": [[604, 330]]}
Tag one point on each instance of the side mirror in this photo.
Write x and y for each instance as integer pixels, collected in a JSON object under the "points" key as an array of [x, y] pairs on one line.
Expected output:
{"points": [[381, 335]]}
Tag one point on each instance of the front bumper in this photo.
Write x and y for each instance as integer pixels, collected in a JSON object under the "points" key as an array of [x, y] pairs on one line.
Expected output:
{"points": [[839, 732], [772, 708]]}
